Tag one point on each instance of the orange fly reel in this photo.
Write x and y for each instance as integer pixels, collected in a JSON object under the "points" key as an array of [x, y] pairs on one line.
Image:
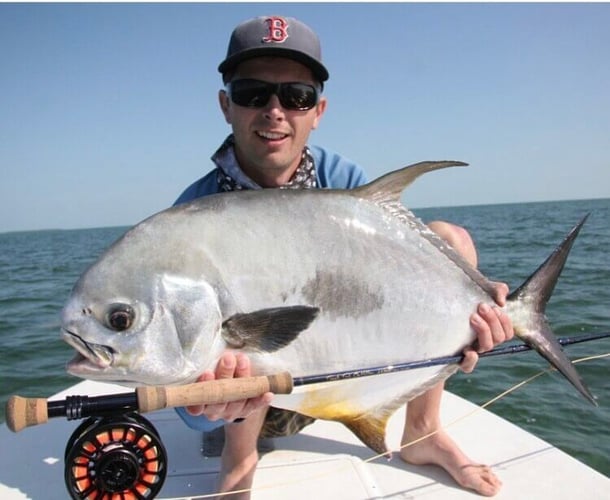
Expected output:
{"points": [[118, 457]]}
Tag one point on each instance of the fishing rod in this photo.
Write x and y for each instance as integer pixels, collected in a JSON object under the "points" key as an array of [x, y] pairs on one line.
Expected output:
{"points": [[118, 452], [444, 360], [25, 412]]}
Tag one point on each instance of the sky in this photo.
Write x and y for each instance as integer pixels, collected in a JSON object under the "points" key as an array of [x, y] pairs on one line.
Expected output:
{"points": [[108, 111]]}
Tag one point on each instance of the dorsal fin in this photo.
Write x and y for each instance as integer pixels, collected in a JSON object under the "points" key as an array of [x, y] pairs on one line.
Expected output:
{"points": [[386, 192], [388, 188]]}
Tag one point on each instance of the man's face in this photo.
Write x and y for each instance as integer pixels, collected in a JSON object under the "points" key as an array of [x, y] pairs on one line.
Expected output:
{"points": [[269, 140]]}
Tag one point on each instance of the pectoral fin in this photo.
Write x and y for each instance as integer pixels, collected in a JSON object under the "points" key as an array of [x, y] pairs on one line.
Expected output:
{"points": [[267, 330]]}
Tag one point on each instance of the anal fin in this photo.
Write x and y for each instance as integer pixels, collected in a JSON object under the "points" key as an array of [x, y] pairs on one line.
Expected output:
{"points": [[370, 429]]}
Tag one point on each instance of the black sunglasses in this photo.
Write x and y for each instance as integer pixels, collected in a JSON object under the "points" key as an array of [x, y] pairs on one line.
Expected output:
{"points": [[252, 93]]}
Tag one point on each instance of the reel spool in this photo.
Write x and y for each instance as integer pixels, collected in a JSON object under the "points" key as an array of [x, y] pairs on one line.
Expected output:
{"points": [[115, 458]]}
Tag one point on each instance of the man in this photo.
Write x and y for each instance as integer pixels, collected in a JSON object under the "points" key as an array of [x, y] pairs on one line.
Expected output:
{"points": [[273, 78]]}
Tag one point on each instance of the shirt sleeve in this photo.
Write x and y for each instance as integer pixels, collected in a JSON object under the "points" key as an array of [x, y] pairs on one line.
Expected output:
{"points": [[199, 423], [335, 171], [201, 187]]}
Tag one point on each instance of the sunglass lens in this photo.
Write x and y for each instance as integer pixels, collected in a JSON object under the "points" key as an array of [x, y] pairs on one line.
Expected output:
{"points": [[250, 93], [298, 96], [256, 94]]}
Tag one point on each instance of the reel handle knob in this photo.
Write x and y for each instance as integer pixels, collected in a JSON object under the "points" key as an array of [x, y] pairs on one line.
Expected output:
{"points": [[213, 392], [25, 412]]}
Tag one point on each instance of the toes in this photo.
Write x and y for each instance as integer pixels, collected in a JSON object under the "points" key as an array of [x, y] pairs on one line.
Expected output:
{"points": [[479, 478]]}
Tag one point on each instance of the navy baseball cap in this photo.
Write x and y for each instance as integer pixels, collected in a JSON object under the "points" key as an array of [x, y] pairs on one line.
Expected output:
{"points": [[275, 36]]}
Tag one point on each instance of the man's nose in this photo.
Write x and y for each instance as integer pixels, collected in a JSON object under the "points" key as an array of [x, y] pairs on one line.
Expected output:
{"points": [[274, 109]]}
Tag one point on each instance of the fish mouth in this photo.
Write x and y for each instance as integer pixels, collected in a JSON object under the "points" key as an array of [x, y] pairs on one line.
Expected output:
{"points": [[89, 356]]}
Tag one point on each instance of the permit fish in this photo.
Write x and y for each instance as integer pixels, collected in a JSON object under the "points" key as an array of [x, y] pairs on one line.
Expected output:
{"points": [[309, 281]]}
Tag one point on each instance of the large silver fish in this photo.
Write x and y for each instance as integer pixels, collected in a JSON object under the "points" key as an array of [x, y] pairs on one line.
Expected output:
{"points": [[309, 281]]}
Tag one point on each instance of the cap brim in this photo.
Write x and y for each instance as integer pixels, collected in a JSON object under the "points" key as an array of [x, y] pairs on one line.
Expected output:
{"points": [[319, 71]]}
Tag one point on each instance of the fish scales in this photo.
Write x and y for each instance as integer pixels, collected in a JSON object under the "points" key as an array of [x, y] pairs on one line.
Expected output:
{"points": [[369, 284], [358, 278]]}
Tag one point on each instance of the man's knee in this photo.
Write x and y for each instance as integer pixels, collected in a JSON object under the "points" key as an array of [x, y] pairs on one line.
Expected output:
{"points": [[458, 238]]}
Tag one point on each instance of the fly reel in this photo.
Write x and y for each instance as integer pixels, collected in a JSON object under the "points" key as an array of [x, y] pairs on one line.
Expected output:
{"points": [[117, 457]]}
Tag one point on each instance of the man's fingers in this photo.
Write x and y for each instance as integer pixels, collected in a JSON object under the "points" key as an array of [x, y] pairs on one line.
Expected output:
{"points": [[242, 365], [470, 360], [482, 329], [226, 366], [506, 324], [492, 326], [501, 293], [196, 410], [500, 325], [230, 365]]}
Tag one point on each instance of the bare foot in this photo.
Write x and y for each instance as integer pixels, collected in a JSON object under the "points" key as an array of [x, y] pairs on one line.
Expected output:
{"points": [[439, 449]]}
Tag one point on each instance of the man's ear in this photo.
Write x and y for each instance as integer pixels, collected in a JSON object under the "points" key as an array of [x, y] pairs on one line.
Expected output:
{"points": [[223, 100], [320, 108]]}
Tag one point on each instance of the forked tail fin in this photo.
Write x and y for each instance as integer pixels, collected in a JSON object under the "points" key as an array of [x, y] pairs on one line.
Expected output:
{"points": [[527, 305]]}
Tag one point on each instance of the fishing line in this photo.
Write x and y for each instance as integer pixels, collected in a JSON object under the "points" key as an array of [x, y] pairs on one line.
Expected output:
{"points": [[415, 441], [589, 358], [495, 399]]}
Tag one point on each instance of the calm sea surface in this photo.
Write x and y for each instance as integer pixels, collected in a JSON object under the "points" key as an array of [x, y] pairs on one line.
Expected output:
{"points": [[38, 269]]}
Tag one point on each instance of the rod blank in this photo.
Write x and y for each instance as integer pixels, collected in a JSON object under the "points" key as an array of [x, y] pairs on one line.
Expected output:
{"points": [[25, 412]]}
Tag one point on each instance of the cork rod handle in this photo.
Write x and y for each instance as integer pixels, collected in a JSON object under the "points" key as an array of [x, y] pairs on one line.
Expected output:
{"points": [[212, 392], [25, 412]]}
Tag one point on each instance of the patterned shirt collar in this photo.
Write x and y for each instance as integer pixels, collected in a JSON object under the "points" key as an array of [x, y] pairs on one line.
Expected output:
{"points": [[231, 177]]}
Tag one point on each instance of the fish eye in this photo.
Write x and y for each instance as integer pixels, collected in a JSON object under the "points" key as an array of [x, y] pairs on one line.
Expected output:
{"points": [[120, 317]]}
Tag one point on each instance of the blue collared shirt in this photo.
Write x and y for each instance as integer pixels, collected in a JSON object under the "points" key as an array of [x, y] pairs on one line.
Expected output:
{"points": [[332, 171]]}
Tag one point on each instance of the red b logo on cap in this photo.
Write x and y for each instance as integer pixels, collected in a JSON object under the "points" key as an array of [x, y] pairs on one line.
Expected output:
{"points": [[278, 30]]}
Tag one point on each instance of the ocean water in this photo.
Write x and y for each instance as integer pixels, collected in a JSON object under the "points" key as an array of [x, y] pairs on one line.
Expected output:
{"points": [[39, 268]]}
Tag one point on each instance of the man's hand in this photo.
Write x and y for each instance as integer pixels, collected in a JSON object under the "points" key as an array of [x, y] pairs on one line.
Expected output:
{"points": [[230, 365], [492, 327]]}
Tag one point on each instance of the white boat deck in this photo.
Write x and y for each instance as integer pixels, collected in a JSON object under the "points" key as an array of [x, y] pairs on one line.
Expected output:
{"points": [[325, 461]]}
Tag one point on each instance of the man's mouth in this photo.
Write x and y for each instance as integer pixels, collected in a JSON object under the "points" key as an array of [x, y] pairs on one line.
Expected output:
{"points": [[271, 136]]}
